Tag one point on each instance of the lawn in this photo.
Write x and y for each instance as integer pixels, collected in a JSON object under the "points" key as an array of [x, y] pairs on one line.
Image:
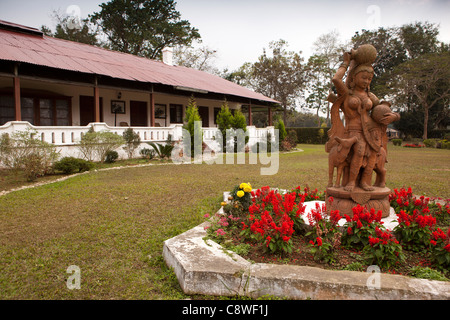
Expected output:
{"points": [[112, 224]]}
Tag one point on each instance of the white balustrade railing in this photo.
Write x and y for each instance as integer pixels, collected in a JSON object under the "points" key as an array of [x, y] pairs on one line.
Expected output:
{"points": [[67, 137]]}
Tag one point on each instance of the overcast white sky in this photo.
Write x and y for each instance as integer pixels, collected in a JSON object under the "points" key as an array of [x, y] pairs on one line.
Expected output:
{"points": [[240, 29]]}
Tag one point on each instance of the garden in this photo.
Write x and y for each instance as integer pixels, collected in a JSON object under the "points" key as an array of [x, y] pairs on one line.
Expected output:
{"points": [[112, 223], [272, 226]]}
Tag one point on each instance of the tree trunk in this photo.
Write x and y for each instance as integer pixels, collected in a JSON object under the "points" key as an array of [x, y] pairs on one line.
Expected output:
{"points": [[318, 117], [425, 123]]}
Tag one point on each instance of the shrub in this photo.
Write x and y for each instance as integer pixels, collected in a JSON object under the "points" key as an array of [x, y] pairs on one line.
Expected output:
{"points": [[281, 129], [111, 156], [147, 153], [162, 150], [224, 121], [132, 141], [326, 237], [271, 220], [397, 142], [383, 250], [22, 152], [193, 126], [429, 143], [440, 249], [308, 195], [95, 145], [70, 165], [310, 135], [360, 227]]}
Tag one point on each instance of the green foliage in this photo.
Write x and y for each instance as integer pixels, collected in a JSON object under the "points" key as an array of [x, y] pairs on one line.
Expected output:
{"points": [[227, 121], [132, 141], [354, 266], [148, 154], [224, 121], [67, 29], [427, 273], [164, 151], [194, 127], [310, 135], [70, 165], [397, 142], [95, 145], [111, 156], [143, 28], [384, 253], [281, 129], [238, 121], [22, 152]]}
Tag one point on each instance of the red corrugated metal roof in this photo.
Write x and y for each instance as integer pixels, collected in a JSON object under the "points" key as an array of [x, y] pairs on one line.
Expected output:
{"points": [[73, 56]]}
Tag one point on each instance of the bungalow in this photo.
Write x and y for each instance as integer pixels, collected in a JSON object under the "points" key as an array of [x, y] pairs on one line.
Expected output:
{"points": [[62, 88]]}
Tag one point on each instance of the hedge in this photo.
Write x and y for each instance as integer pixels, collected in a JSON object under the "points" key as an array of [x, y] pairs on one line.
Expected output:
{"points": [[310, 135]]}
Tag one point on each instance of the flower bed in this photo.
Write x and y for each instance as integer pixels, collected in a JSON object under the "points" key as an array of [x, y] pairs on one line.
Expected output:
{"points": [[413, 145], [265, 225]]}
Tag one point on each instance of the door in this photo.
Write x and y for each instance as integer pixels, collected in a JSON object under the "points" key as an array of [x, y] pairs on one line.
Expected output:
{"points": [[87, 110], [204, 114], [138, 114]]}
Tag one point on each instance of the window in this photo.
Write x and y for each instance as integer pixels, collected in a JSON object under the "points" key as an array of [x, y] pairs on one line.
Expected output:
{"points": [[7, 112], [176, 113], [62, 112], [45, 112], [41, 111], [27, 109]]}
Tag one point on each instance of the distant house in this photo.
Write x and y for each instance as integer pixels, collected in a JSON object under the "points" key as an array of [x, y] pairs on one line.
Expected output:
{"points": [[54, 84]]}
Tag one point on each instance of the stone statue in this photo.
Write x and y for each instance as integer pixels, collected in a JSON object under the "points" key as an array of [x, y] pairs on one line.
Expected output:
{"points": [[357, 146]]}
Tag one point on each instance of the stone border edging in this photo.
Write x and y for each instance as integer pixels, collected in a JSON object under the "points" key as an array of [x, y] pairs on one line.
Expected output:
{"points": [[204, 267]]}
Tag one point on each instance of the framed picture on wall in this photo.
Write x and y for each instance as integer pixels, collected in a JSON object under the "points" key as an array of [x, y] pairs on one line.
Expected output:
{"points": [[160, 111], [117, 107]]}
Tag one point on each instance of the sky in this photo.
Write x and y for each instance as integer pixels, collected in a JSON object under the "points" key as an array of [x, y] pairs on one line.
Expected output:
{"points": [[240, 29]]}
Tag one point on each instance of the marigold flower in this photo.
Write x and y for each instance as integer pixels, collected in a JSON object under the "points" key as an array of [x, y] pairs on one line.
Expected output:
{"points": [[240, 193]]}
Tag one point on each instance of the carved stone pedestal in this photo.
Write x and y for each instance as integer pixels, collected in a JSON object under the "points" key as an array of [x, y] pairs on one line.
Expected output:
{"points": [[344, 201]]}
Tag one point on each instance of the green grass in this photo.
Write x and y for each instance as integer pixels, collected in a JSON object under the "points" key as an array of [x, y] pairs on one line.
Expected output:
{"points": [[112, 224]]}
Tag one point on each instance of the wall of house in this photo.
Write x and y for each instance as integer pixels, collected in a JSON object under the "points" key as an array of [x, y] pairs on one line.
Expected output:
{"points": [[111, 94]]}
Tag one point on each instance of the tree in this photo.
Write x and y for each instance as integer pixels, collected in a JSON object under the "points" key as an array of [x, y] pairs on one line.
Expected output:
{"points": [[390, 53], [194, 127], [419, 38], [201, 58], [280, 76], [321, 68], [224, 121], [132, 141], [143, 27], [67, 28], [426, 79], [319, 85]]}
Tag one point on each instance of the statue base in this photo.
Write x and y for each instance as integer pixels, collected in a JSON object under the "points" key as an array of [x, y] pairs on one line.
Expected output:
{"points": [[344, 201]]}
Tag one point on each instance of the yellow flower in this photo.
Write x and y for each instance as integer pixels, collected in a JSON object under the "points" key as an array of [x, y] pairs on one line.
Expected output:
{"points": [[248, 188], [242, 185], [240, 193], [223, 203]]}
